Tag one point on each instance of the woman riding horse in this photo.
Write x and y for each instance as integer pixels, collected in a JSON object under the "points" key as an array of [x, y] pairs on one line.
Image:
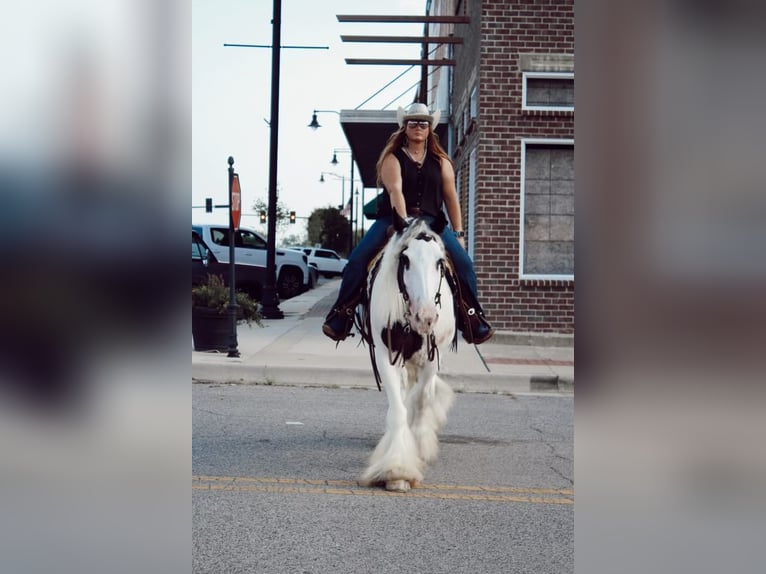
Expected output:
{"points": [[419, 178]]}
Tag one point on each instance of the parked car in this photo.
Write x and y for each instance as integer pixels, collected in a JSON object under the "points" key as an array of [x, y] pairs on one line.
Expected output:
{"points": [[327, 261], [292, 272], [249, 278]]}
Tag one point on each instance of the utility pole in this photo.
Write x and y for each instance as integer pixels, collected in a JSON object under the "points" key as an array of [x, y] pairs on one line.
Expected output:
{"points": [[269, 297], [270, 300]]}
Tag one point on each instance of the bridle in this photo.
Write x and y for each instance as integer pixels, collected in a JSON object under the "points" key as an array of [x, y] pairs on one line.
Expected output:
{"points": [[404, 264]]}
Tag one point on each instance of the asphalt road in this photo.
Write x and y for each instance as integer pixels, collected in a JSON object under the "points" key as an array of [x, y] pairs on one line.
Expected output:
{"points": [[274, 486]]}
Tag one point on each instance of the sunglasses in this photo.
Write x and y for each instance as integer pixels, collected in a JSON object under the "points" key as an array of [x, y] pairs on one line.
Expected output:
{"points": [[418, 124]]}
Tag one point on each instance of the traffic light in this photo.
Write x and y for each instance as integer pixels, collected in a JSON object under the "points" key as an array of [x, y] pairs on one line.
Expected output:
{"points": [[292, 217], [209, 204], [263, 216]]}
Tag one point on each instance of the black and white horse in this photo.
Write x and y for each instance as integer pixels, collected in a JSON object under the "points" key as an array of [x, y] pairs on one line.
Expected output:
{"points": [[410, 320]]}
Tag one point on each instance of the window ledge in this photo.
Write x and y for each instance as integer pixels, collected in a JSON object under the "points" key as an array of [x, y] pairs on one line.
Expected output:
{"points": [[546, 282], [542, 112]]}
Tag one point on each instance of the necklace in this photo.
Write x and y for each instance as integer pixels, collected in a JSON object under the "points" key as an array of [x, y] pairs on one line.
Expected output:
{"points": [[417, 161]]}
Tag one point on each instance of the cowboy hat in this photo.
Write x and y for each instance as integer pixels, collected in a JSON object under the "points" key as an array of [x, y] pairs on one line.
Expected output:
{"points": [[417, 111]]}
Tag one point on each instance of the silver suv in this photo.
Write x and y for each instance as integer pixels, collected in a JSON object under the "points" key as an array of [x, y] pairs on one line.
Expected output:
{"points": [[250, 249]]}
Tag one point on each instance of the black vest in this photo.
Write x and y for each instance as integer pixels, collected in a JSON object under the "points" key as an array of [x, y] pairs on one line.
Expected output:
{"points": [[421, 185]]}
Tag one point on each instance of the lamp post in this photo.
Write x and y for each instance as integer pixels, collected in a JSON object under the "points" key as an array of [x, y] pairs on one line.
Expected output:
{"points": [[358, 209], [270, 301], [342, 179], [335, 161], [315, 125]]}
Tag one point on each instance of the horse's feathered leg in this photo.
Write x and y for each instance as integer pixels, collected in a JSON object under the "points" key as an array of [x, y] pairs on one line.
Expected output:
{"points": [[428, 403], [395, 460]]}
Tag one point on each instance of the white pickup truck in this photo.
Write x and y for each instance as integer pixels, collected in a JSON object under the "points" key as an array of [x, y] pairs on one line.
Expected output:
{"points": [[292, 271]]}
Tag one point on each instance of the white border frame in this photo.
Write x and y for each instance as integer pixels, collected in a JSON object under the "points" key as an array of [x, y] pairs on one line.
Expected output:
{"points": [[551, 75], [524, 143]]}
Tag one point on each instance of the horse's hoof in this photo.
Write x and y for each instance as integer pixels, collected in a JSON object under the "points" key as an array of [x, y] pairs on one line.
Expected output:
{"points": [[398, 486]]}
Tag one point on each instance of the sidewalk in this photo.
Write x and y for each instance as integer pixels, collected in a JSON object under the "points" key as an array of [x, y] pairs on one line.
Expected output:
{"points": [[293, 351]]}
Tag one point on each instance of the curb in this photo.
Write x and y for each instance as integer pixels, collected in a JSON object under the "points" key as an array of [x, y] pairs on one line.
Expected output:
{"points": [[529, 339], [237, 373]]}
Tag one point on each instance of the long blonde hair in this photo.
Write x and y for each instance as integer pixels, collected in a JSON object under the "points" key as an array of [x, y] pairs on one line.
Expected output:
{"points": [[396, 140]]}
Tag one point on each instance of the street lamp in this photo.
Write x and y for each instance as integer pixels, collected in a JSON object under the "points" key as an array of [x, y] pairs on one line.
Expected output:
{"points": [[342, 179], [335, 161], [314, 123], [358, 209]]}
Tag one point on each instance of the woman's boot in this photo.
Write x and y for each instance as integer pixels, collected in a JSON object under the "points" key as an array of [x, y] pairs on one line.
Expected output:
{"points": [[340, 321], [471, 320]]}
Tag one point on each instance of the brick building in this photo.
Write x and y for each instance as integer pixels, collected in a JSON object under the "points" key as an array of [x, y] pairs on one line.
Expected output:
{"points": [[511, 102], [508, 122]]}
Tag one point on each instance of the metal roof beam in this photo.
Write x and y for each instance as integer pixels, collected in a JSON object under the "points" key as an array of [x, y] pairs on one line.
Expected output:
{"points": [[405, 39], [373, 61], [411, 19]]}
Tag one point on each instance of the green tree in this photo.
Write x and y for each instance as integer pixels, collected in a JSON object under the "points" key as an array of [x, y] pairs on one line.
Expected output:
{"points": [[329, 228]]}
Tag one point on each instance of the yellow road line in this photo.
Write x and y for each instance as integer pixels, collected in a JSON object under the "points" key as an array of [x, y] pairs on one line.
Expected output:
{"points": [[353, 488]]}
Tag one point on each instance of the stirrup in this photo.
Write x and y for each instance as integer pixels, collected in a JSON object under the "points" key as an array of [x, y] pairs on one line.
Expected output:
{"points": [[473, 324], [346, 314]]}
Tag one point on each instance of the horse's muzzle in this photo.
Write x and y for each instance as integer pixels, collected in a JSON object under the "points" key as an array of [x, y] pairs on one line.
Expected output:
{"points": [[424, 319]]}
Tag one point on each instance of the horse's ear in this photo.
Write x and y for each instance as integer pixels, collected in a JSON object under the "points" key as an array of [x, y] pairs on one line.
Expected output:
{"points": [[439, 223], [399, 223]]}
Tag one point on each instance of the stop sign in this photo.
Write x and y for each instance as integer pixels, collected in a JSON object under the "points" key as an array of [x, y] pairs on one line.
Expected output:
{"points": [[236, 202]]}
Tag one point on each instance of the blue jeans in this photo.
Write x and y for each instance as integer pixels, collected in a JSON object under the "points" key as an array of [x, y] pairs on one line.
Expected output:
{"points": [[355, 273]]}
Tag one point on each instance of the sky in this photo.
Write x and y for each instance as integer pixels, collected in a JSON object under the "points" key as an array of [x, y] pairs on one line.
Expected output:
{"points": [[231, 97]]}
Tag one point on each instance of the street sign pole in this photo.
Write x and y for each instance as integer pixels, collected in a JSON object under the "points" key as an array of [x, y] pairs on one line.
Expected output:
{"points": [[232, 307]]}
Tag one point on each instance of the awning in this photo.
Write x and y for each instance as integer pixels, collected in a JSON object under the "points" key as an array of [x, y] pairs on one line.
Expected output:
{"points": [[367, 132]]}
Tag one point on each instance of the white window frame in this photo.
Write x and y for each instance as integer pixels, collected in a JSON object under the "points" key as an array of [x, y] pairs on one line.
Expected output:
{"points": [[524, 143], [545, 75]]}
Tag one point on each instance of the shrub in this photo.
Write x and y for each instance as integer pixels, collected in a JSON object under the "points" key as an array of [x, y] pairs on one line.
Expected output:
{"points": [[214, 294]]}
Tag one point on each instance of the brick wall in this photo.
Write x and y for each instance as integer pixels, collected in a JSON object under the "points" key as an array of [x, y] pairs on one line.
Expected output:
{"points": [[505, 29]]}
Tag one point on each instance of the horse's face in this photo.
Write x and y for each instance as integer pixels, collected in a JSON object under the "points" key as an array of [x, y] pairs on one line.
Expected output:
{"points": [[421, 273]]}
